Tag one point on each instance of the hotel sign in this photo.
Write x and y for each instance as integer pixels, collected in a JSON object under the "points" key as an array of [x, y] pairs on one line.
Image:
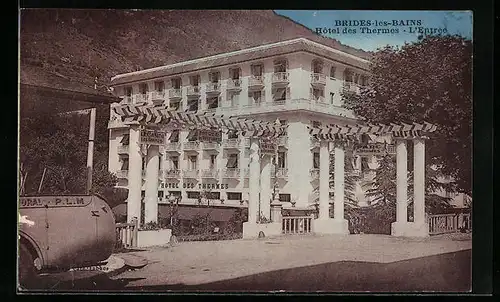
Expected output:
{"points": [[371, 149], [153, 137]]}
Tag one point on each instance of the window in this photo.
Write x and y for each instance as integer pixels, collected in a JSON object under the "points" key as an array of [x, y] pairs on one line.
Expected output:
{"points": [[318, 94], [234, 73], [281, 160], [128, 91], [234, 99], [256, 96], [214, 77], [332, 72], [280, 65], [213, 161], [125, 140], [316, 124], [257, 70], [176, 83], [193, 162], [143, 88], [174, 163], [175, 193], [192, 105], [316, 160], [213, 195], [174, 136], [317, 66], [233, 196], [279, 94], [232, 161], [332, 97], [348, 75], [143, 163], [175, 105], [285, 197], [364, 164], [193, 195], [160, 162], [194, 80], [159, 86], [283, 122], [363, 80], [124, 164], [192, 135], [356, 78], [213, 102]]}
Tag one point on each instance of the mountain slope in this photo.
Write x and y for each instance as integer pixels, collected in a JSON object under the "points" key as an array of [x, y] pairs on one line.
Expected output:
{"points": [[68, 48]]}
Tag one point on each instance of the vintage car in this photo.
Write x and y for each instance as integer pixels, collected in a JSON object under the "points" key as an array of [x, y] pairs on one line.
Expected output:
{"points": [[63, 232]]}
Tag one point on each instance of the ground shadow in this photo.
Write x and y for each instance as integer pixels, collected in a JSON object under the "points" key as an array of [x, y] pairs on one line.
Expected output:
{"points": [[450, 272]]}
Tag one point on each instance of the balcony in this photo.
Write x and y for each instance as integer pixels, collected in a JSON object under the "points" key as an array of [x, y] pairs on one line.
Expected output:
{"points": [[255, 82], [351, 87], [210, 146], [231, 143], [123, 149], [193, 146], [172, 147], [212, 109], [280, 79], [210, 173], [314, 173], [172, 173], [213, 88], [190, 173], [283, 141], [122, 174], [233, 84], [318, 80], [141, 98], [320, 100], [175, 94], [193, 91], [246, 173], [231, 173], [158, 96], [246, 143]]}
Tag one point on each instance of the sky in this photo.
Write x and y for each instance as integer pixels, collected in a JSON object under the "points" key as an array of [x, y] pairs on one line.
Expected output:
{"points": [[454, 22]]}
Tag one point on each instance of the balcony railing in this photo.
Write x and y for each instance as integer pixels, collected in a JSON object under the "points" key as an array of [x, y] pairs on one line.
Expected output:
{"points": [[123, 149], [175, 93], [190, 173], [192, 145], [210, 173], [122, 173], [318, 79], [171, 173], [234, 84], [193, 91], [319, 100], [352, 87], [255, 81], [281, 173], [213, 88], [231, 143], [172, 146], [449, 223], [314, 173], [297, 224], [141, 98], [231, 173], [246, 173], [210, 146], [280, 78], [212, 109], [158, 95]]}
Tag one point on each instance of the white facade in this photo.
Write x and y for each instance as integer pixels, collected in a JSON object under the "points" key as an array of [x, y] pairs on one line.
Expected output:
{"points": [[300, 83]]}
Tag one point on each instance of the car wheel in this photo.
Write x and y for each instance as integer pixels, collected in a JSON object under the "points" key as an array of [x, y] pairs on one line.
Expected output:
{"points": [[27, 269]]}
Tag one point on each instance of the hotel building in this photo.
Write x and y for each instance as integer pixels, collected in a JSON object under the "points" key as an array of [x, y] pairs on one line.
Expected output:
{"points": [[296, 82]]}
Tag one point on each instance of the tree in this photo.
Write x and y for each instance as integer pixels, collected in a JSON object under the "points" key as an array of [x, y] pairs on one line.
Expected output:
{"points": [[57, 143], [429, 80]]}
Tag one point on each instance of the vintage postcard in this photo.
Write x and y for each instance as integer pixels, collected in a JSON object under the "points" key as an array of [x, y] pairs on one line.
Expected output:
{"points": [[245, 151]]}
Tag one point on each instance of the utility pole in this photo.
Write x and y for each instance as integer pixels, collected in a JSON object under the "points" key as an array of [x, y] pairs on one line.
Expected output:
{"points": [[90, 151]]}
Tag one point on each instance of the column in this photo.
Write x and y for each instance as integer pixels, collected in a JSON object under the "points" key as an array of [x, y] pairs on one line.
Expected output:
{"points": [[419, 181], [134, 175], [401, 182], [151, 197], [265, 187], [254, 181], [339, 182], [324, 183]]}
